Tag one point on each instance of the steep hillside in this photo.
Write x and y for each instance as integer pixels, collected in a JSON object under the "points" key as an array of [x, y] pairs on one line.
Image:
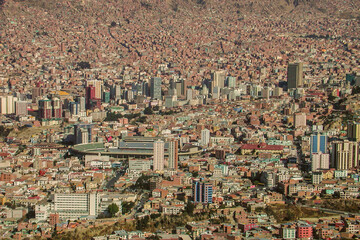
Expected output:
{"points": [[36, 34]]}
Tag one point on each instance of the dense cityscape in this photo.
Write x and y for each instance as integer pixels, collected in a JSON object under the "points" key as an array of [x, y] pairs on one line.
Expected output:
{"points": [[179, 119]]}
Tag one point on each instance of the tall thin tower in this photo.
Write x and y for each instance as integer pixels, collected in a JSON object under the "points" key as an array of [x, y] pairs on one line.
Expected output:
{"points": [[159, 155], [173, 154], [295, 75]]}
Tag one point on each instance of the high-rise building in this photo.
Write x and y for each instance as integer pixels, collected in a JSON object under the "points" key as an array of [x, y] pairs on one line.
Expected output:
{"points": [[21, 108], [218, 80], [145, 88], [10, 104], [266, 92], [197, 191], [56, 108], [202, 192], [318, 143], [80, 135], [129, 95], [98, 85], [208, 193], [45, 109], [170, 101], [205, 137], [181, 87], [159, 155], [189, 94], [50, 108], [173, 154], [115, 92], [90, 95], [83, 136], [7, 104], [82, 103], [345, 155], [155, 88], [320, 161], [74, 108], [231, 82], [3, 104], [295, 75], [353, 131], [216, 92], [106, 97], [37, 92]]}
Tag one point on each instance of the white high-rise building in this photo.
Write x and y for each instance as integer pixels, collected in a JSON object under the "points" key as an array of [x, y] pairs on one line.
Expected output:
{"points": [[159, 155], [7, 104], [3, 105], [320, 161], [345, 155], [205, 137], [10, 104], [218, 79]]}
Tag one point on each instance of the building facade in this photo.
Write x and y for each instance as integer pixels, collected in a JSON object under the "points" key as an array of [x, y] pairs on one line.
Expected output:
{"points": [[295, 75], [159, 161]]}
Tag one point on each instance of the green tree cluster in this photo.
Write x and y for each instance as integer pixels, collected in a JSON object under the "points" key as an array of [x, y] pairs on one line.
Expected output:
{"points": [[127, 206], [113, 209]]}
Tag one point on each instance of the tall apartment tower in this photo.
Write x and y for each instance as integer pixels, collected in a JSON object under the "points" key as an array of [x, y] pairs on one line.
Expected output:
{"points": [[173, 154], [90, 95], [21, 108], [181, 88], [115, 92], [345, 155], [205, 137], [82, 103], [97, 84], [353, 131], [80, 135], [202, 192], [231, 82], [155, 88], [7, 104], [159, 155], [320, 161], [295, 75], [56, 108], [45, 109], [3, 105], [318, 143], [218, 80]]}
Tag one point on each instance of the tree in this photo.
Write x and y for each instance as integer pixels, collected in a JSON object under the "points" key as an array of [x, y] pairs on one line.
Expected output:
{"points": [[355, 90], [195, 174], [113, 209], [110, 116], [127, 206], [189, 209], [84, 65], [148, 111]]}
